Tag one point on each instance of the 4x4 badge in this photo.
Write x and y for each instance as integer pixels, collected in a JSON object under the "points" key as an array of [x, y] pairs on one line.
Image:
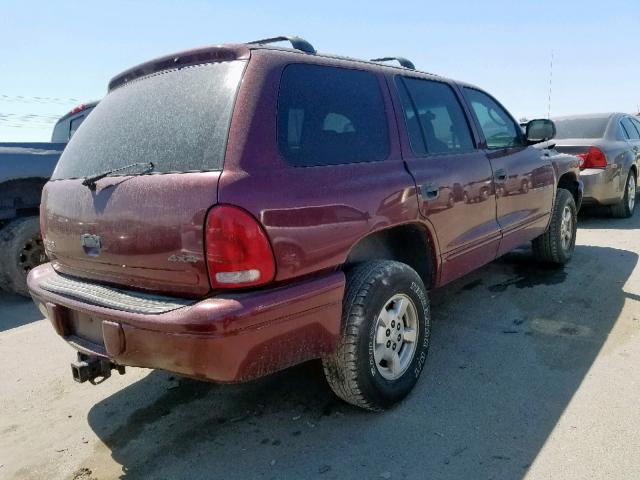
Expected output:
{"points": [[90, 244], [183, 258]]}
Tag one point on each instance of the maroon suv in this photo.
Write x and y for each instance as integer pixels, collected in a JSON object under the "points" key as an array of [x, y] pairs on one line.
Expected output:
{"points": [[233, 210]]}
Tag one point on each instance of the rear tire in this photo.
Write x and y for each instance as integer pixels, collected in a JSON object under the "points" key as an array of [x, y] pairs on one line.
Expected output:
{"points": [[21, 249], [379, 359], [556, 245], [627, 205]]}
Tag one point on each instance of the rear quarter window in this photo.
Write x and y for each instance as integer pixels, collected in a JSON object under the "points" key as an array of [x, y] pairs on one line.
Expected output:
{"points": [[331, 115]]}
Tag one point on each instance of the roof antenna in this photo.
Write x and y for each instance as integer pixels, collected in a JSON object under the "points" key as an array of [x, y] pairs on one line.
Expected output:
{"points": [[550, 85]]}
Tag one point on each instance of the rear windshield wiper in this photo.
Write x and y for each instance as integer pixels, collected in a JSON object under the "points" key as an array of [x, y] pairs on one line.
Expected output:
{"points": [[91, 181]]}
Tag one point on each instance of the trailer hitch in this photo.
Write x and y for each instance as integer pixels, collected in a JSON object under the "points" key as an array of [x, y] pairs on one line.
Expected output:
{"points": [[93, 369]]}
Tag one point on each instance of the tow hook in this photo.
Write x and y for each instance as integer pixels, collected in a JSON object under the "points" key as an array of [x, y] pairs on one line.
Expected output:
{"points": [[89, 368]]}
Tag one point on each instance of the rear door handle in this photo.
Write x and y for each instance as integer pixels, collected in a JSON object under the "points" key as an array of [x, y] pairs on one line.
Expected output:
{"points": [[429, 190], [501, 174]]}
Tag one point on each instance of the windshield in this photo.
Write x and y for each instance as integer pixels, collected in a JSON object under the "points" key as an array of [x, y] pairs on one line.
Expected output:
{"points": [[581, 127], [177, 119]]}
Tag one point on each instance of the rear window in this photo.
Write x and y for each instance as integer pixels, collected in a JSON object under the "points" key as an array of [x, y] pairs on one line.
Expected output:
{"points": [[74, 125], [177, 119], [329, 115], [630, 129], [581, 127]]}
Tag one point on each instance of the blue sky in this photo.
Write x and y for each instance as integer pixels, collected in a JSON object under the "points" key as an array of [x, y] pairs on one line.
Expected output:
{"points": [[62, 50]]}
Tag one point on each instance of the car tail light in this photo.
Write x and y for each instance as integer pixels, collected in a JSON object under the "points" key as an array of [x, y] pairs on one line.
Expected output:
{"points": [[593, 158], [238, 251], [77, 109]]}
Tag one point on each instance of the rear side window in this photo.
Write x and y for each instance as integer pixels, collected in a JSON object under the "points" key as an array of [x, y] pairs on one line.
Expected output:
{"points": [[177, 119], [499, 129], [435, 120], [329, 116], [630, 129], [589, 127]]}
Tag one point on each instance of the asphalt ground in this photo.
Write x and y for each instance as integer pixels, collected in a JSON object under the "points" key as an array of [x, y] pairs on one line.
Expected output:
{"points": [[532, 373]]}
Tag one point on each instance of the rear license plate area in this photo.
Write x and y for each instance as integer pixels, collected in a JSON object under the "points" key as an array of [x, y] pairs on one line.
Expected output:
{"points": [[86, 327]]}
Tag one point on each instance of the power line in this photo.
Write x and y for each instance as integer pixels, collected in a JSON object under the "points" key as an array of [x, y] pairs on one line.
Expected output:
{"points": [[36, 99]]}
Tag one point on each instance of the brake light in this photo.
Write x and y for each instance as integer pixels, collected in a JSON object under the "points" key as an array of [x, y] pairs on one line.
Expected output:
{"points": [[77, 109], [238, 251], [594, 158]]}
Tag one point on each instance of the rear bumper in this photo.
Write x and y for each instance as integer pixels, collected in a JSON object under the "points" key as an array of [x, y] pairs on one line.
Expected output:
{"points": [[600, 186], [227, 338]]}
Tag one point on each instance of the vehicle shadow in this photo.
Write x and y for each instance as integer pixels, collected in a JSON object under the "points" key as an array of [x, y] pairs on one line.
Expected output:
{"points": [[594, 217], [511, 344], [16, 311]]}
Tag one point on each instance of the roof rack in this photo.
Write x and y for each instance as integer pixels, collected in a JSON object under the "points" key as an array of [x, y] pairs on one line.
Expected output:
{"points": [[406, 63], [296, 42]]}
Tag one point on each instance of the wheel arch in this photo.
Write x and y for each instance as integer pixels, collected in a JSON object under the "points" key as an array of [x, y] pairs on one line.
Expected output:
{"points": [[569, 181], [20, 197], [409, 243]]}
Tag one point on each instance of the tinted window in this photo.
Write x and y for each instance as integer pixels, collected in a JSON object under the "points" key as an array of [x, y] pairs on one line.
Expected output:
{"points": [[499, 129], [434, 117], [628, 126], [592, 127], [177, 119], [328, 116], [636, 123], [622, 133]]}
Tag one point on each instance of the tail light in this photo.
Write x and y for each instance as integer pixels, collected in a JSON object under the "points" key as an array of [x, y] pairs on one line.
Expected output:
{"points": [[238, 251], [77, 109], [594, 158]]}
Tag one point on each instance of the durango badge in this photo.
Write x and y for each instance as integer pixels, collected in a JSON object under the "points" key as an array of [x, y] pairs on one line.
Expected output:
{"points": [[90, 244]]}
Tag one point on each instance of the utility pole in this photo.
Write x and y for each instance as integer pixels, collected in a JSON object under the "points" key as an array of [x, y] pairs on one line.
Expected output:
{"points": [[550, 85]]}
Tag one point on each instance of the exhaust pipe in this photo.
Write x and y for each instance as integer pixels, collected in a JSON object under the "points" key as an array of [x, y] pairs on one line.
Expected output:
{"points": [[89, 368]]}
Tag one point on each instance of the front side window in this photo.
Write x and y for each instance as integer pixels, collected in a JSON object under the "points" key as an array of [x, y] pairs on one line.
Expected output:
{"points": [[330, 115], [434, 117], [499, 129]]}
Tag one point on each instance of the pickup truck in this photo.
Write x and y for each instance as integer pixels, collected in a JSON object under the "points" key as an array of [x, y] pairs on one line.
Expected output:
{"points": [[24, 169], [281, 205]]}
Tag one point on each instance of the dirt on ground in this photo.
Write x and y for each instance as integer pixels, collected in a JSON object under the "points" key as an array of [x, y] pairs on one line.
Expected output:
{"points": [[532, 373]]}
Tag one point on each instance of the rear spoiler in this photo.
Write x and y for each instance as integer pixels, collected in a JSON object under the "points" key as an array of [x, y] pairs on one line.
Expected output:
{"points": [[218, 53]]}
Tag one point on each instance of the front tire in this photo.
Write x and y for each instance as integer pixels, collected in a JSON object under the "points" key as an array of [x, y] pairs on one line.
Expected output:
{"points": [[627, 205], [385, 335], [556, 245]]}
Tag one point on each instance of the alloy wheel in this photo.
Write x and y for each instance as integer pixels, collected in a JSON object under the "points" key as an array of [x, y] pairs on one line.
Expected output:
{"points": [[631, 192], [566, 228], [395, 337]]}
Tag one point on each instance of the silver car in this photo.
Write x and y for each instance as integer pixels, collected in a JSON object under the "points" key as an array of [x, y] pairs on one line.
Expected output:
{"points": [[608, 145]]}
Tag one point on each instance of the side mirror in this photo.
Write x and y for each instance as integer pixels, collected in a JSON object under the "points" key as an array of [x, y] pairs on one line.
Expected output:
{"points": [[540, 130]]}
